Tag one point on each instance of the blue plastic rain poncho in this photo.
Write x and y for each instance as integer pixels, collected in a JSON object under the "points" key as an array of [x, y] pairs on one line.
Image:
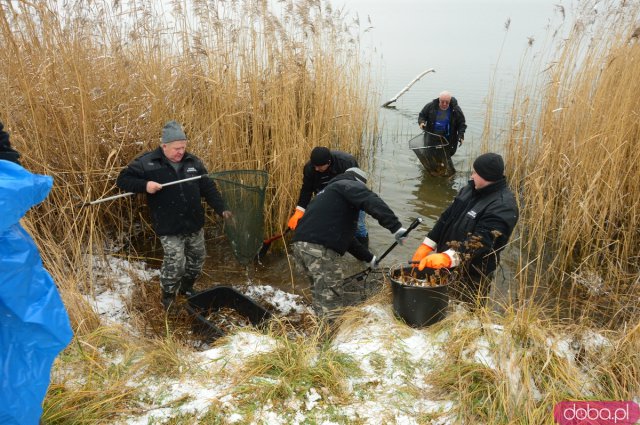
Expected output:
{"points": [[34, 325]]}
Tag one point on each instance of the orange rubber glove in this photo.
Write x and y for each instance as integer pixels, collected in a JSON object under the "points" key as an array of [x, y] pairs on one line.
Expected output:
{"points": [[297, 215], [435, 261], [422, 251]]}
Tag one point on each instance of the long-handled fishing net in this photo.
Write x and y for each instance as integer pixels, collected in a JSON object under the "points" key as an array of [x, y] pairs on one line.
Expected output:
{"points": [[243, 192], [431, 150]]}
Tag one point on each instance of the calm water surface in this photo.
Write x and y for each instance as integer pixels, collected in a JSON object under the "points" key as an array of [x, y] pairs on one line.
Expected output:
{"points": [[467, 44]]}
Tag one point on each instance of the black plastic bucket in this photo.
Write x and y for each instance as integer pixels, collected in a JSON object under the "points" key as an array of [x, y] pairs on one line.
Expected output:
{"points": [[418, 306], [200, 304]]}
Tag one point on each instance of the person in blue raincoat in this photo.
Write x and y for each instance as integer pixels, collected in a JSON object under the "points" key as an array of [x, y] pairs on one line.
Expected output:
{"points": [[34, 325]]}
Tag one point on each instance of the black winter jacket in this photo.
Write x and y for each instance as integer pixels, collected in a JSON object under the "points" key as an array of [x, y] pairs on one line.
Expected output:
{"points": [[313, 182], [457, 123], [332, 216], [475, 215], [176, 209]]}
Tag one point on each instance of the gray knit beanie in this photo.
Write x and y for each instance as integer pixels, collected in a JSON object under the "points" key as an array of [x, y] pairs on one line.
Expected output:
{"points": [[171, 132]]}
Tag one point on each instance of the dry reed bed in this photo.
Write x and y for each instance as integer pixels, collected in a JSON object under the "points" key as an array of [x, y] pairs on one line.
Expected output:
{"points": [[574, 152], [256, 87]]}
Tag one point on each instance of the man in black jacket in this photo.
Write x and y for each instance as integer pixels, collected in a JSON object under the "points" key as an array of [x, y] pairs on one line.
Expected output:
{"points": [[176, 211], [323, 165], [443, 116], [326, 232], [474, 229]]}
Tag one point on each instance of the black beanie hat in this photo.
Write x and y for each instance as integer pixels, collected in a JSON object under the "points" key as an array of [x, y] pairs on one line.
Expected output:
{"points": [[489, 166], [320, 156]]}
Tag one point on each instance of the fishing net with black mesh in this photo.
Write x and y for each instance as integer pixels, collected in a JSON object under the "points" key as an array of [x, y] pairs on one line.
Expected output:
{"points": [[243, 192], [431, 150]]}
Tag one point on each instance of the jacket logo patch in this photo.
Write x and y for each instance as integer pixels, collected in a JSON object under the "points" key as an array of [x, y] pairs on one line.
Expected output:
{"points": [[191, 170], [472, 214]]}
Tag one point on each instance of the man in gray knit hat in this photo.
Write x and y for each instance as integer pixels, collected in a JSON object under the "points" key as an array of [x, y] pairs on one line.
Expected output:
{"points": [[176, 210]]}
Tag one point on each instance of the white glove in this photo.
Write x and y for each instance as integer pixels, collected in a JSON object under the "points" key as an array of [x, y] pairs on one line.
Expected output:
{"points": [[374, 262], [399, 235]]}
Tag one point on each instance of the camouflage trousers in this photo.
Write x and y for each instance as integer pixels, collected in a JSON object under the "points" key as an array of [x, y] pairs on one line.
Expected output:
{"points": [[183, 259], [323, 269]]}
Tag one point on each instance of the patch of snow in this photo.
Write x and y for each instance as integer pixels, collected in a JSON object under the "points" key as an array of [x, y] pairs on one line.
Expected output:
{"points": [[286, 303]]}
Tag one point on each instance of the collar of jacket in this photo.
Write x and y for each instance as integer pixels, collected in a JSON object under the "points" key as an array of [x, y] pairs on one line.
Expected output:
{"points": [[493, 187]]}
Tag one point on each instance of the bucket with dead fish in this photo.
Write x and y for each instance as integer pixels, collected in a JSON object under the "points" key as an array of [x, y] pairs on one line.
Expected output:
{"points": [[420, 297]]}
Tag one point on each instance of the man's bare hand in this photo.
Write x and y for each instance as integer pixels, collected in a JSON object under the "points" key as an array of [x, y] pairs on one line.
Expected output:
{"points": [[153, 187]]}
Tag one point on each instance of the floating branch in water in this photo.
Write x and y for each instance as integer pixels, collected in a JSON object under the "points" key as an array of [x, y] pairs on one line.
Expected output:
{"points": [[404, 90]]}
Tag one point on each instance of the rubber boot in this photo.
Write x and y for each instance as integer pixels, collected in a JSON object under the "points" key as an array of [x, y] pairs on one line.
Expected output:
{"points": [[168, 299], [186, 286]]}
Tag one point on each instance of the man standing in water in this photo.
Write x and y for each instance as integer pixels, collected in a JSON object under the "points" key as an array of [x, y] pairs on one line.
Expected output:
{"points": [[473, 230], [443, 117], [177, 213]]}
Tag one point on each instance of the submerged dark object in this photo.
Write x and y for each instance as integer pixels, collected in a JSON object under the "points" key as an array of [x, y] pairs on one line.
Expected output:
{"points": [[418, 306], [431, 150], [222, 299]]}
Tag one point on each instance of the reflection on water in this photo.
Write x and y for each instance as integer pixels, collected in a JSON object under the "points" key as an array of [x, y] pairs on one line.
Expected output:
{"points": [[430, 194]]}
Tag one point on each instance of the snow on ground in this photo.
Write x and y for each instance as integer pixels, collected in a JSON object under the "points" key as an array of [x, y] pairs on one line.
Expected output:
{"points": [[115, 285], [394, 360]]}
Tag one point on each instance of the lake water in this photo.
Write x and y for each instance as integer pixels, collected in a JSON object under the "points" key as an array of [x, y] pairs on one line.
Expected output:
{"points": [[468, 45]]}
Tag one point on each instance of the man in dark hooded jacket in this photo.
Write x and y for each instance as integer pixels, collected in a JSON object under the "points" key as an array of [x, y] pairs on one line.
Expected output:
{"points": [[443, 117], [326, 231], [473, 230], [323, 165]]}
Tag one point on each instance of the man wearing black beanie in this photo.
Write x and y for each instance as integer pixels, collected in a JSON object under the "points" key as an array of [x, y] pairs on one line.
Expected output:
{"points": [[473, 230], [6, 151], [323, 165]]}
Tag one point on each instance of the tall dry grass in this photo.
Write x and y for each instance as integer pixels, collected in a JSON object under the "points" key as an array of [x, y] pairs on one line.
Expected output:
{"points": [[574, 160], [256, 85], [514, 368]]}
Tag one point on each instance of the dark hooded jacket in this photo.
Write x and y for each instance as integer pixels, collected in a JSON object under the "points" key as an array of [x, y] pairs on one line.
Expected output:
{"points": [[482, 222], [457, 122], [313, 181], [176, 209], [332, 216], [6, 151]]}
